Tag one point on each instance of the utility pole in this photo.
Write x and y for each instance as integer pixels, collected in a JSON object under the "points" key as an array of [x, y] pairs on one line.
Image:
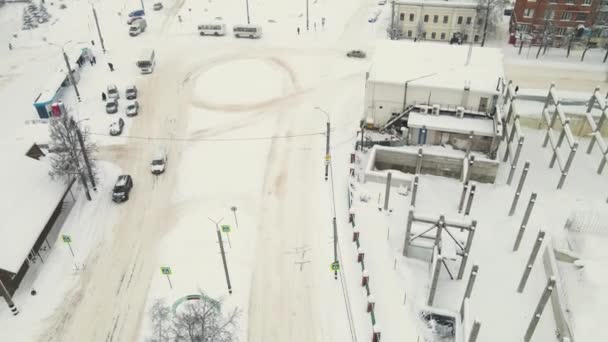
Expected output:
{"points": [[307, 15], [485, 24], [70, 75], [103, 48], [327, 155], [393, 33], [84, 154], [247, 5], [219, 237], [4, 293]]}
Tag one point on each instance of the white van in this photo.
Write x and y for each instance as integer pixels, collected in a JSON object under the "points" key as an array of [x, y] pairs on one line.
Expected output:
{"points": [[146, 61], [247, 31], [212, 29], [138, 26]]}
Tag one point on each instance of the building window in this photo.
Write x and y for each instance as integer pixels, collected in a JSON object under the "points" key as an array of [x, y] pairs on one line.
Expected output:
{"points": [[529, 12], [587, 2], [465, 37], [433, 35], [524, 27], [561, 31], [442, 35], [445, 19], [479, 21], [476, 38], [581, 16], [468, 20], [411, 16], [549, 14], [570, 2], [459, 20], [409, 33], [435, 18], [566, 16], [426, 18], [401, 16], [424, 35]]}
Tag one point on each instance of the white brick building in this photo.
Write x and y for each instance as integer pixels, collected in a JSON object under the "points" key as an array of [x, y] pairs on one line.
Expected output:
{"points": [[439, 20]]}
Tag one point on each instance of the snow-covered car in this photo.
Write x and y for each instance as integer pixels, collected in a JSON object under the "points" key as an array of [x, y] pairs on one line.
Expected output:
{"points": [[381, 2], [373, 16], [159, 162], [116, 126], [137, 27], [138, 14], [131, 92], [132, 108], [158, 6], [111, 106], [113, 92], [355, 54]]}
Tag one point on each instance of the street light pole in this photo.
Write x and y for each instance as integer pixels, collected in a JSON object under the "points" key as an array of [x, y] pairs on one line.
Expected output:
{"points": [[70, 75], [307, 15], [219, 237], [327, 134], [103, 48], [247, 5]]}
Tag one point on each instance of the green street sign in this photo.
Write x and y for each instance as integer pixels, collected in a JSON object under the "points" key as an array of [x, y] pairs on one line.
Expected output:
{"points": [[335, 266], [165, 270], [66, 238], [225, 228]]}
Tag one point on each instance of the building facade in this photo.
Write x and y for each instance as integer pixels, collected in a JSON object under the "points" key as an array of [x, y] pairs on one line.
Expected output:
{"points": [[562, 18], [435, 20]]}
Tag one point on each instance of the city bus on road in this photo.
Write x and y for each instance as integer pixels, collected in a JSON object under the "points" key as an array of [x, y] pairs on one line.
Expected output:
{"points": [[212, 29], [247, 31], [146, 61]]}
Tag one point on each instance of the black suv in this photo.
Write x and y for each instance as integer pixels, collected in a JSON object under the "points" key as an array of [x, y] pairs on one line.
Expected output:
{"points": [[121, 190]]}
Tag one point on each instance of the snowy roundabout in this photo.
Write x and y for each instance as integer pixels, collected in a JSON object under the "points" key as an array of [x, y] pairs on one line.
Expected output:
{"points": [[242, 84]]}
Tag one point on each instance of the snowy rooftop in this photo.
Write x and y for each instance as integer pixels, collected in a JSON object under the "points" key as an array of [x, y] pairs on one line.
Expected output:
{"points": [[440, 3], [425, 64], [454, 124], [30, 197]]}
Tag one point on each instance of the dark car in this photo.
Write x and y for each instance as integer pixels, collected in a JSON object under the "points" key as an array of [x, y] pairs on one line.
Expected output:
{"points": [[355, 54], [121, 190], [111, 106], [131, 92]]}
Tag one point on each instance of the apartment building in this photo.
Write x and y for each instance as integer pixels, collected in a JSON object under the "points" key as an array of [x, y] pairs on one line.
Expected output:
{"points": [[439, 20], [564, 17]]}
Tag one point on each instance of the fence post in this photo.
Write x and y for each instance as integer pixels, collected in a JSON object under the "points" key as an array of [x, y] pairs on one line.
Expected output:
{"points": [[387, 192], [469, 288], [531, 259], [463, 195], [467, 249], [419, 161], [434, 280], [524, 222], [539, 309], [470, 201], [522, 180], [414, 191], [408, 231], [562, 179]]}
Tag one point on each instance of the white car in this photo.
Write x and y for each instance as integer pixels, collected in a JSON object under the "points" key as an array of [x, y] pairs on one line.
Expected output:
{"points": [[381, 2], [116, 126], [159, 161], [113, 92], [132, 108]]}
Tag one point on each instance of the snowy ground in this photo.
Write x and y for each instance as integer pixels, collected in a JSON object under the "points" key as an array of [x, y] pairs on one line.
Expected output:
{"points": [[239, 121]]}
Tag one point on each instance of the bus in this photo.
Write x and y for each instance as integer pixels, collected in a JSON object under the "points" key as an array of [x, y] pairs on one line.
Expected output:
{"points": [[146, 62], [212, 29], [247, 31]]}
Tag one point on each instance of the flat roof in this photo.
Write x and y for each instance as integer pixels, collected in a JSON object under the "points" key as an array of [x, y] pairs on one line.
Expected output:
{"points": [[446, 123], [30, 198], [440, 3], [436, 65]]}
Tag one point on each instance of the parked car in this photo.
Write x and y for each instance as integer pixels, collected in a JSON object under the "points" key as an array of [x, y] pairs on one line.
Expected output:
{"points": [[132, 108], [137, 14], [122, 188], [381, 2], [116, 126], [137, 26], [158, 6], [113, 92], [159, 161], [131, 92], [355, 54], [112, 106]]}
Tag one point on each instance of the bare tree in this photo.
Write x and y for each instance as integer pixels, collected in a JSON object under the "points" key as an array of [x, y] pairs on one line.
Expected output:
{"points": [[200, 320], [71, 152], [490, 11]]}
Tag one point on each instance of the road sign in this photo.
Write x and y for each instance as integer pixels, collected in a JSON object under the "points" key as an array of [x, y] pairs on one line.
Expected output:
{"points": [[166, 270], [66, 238], [335, 266], [226, 228]]}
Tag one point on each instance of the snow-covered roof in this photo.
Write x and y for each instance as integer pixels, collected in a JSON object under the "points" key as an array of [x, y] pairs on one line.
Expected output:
{"points": [[440, 3], [446, 123], [436, 65], [52, 86], [28, 201]]}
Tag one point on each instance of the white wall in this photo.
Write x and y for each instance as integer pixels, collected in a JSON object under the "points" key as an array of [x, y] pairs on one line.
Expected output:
{"points": [[448, 29]]}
